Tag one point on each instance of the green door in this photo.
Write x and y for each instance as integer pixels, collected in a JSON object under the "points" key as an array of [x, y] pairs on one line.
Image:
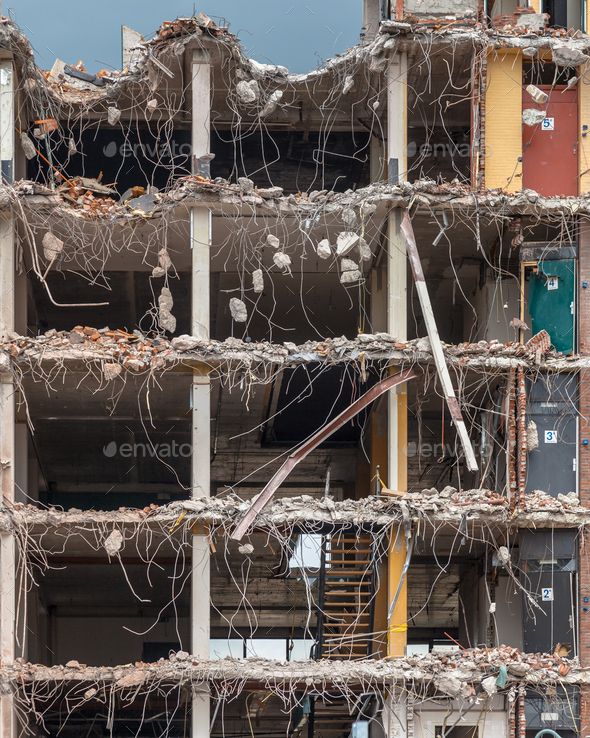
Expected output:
{"points": [[551, 302]]}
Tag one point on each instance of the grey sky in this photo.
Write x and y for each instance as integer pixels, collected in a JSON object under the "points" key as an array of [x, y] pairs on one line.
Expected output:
{"points": [[295, 33]]}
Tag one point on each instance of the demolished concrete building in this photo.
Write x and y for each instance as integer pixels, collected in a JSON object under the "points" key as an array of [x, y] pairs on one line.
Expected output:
{"points": [[294, 384]]}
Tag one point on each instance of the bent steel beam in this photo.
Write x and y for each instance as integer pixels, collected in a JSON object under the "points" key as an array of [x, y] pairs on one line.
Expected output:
{"points": [[312, 443]]}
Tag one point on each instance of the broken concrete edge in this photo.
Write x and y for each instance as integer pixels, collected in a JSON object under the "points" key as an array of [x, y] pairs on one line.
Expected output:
{"points": [[174, 36], [460, 674], [477, 508], [223, 198], [138, 353]]}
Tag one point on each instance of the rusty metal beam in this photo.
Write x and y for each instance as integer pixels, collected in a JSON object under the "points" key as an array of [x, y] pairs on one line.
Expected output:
{"points": [[312, 443], [435, 344]]}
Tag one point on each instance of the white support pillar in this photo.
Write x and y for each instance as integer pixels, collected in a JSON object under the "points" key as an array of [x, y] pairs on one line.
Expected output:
{"points": [[7, 405], [200, 217], [397, 117], [201, 389]]}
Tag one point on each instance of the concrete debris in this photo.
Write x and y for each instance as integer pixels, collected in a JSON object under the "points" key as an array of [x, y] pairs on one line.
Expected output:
{"points": [[246, 549], [349, 217], [27, 146], [117, 346], [455, 674], [348, 84], [533, 117], [532, 436], [323, 249], [533, 22], [113, 542], [568, 56], [349, 272], [164, 260], [504, 555], [481, 508], [273, 241], [52, 246], [151, 105], [248, 91], [238, 310], [271, 104], [113, 116], [111, 371], [345, 242], [365, 252], [538, 95], [282, 261], [258, 281], [166, 320]]}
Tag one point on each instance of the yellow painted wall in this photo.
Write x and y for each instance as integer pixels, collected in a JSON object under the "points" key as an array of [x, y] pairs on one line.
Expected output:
{"points": [[503, 121], [584, 119]]}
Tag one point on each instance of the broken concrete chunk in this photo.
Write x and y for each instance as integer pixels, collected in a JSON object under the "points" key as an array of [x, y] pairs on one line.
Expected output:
{"points": [[238, 310], [364, 250], [533, 117], [282, 261], [271, 103], [535, 22], [538, 95], [566, 56], [111, 371], [113, 542], [504, 555], [345, 242], [350, 272], [166, 320], [113, 115], [348, 84], [248, 92], [245, 184], [258, 281], [349, 217], [158, 272], [323, 249], [72, 148], [246, 549], [27, 146], [164, 259], [489, 685], [152, 105], [273, 241], [52, 246], [532, 436]]}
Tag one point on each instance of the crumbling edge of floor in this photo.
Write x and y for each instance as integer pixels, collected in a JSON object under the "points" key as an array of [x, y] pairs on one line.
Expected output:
{"points": [[472, 508], [454, 675]]}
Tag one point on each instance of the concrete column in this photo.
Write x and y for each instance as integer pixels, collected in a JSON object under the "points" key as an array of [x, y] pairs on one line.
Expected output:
{"points": [[7, 441], [201, 473], [397, 117]]}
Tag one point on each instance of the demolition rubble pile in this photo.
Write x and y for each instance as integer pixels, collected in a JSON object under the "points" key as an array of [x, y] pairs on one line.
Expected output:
{"points": [[462, 674], [86, 198], [137, 352], [447, 505]]}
